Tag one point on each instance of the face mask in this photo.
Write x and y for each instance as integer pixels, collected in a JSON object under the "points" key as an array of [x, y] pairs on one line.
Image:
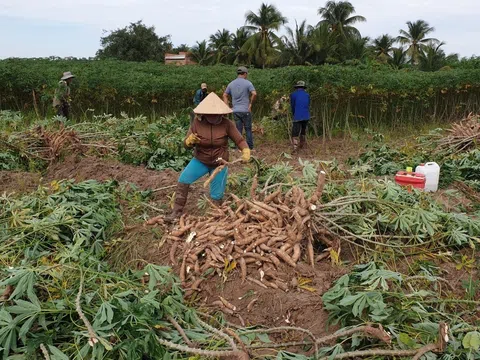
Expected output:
{"points": [[214, 119]]}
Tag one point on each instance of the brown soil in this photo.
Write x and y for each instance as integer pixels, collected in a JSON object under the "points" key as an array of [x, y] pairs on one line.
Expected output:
{"points": [[274, 308], [89, 167], [300, 306], [315, 149], [18, 182]]}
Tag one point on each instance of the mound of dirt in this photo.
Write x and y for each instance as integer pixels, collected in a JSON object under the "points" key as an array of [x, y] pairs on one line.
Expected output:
{"points": [[85, 168], [18, 182], [300, 306]]}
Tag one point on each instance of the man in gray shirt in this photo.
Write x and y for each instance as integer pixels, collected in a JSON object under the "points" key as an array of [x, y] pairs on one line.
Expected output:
{"points": [[243, 95]]}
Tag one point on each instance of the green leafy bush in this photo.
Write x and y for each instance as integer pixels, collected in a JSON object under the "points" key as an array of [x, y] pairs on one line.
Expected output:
{"points": [[341, 96]]}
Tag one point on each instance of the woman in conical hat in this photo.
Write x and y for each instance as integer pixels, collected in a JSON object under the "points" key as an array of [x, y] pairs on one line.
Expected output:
{"points": [[208, 136]]}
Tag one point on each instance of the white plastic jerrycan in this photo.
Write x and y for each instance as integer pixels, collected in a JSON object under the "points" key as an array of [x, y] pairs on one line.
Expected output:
{"points": [[431, 170]]}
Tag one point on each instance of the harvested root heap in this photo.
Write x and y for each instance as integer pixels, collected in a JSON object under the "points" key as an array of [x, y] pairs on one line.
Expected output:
{"points": [[267, 233], [462, 136]]}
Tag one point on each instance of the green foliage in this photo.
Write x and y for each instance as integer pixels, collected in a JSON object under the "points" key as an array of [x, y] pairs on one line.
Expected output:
{"points": [[359, 296], [10, 161], [433, 58], [372, 293], [379, 159], [361, 96], [465, 166], [52, 252], [158, 145], [10, 120], [73, 217], [136, 42], [262, 46], [415, 37]]}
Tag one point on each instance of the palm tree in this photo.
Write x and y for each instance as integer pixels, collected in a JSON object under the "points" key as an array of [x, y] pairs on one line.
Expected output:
{"points": [[339, 18], [382, 47], [356, 49], [297, 44], [181, 48], [261, 46], [399, 58], [239, 38], [201, 53], [220, 43], [324, 46], [432, 57], [416, 38]]}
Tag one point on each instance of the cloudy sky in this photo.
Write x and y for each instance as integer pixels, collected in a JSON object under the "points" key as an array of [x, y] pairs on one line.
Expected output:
{"points": [[39, 28]]}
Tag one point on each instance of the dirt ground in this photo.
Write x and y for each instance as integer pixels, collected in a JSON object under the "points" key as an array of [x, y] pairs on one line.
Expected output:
{"points": [[18, 182], [300, 306]]}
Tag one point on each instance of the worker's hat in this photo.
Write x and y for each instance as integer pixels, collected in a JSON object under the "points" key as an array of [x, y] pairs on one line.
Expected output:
{"points": [[242, 70], [300, 84], [212, 105], [67, 75]]}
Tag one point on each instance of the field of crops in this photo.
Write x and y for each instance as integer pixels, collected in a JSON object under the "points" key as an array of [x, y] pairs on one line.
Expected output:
{"points": [[317, 257], [342, 96]]}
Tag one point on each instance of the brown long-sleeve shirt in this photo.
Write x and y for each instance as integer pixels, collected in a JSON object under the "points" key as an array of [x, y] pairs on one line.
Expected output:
{"points": [[214, 140]]}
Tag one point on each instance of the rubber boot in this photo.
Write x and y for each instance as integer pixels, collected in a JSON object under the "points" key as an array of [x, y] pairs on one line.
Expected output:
{"points": [[181, 196], [303, 140], [294, 145], [217, 203]]}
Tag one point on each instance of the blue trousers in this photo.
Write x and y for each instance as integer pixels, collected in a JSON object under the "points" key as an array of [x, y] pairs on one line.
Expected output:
{"points": [[196, 169], [244, 120]]}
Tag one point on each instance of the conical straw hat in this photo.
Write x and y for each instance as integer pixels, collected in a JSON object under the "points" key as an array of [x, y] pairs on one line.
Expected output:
{"points": [[212, 105]]}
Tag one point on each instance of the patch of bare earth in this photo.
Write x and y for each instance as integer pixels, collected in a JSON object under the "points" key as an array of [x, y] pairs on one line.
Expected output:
{"points": [[300, 306], [18, 182]]}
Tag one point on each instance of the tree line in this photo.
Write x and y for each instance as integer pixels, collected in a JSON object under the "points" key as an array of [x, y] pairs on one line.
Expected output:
{"points": [[333, 40]]}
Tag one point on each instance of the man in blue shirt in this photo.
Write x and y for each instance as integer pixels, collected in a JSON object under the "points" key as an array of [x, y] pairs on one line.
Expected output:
{"points": [[300, 104], [243, 95], [200, 94]]}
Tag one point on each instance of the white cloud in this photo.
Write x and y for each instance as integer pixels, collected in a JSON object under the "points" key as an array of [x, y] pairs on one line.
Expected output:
{"points": [[190, 20]]}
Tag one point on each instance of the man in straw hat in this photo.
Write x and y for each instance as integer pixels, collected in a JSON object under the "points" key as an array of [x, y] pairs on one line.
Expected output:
{"points": [[61, 99], [243, 95], [208, 135], [300, 104]]}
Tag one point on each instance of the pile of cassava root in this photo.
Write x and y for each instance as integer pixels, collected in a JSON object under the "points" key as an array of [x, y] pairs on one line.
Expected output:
{"points": [[262, 232]]}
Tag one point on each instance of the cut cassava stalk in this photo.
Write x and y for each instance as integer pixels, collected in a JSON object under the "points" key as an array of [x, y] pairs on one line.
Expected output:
{"points": [[253, 188], [319, 190], [310, 253], [45, 353], [213, 175], [180, 331], [218, 170]]}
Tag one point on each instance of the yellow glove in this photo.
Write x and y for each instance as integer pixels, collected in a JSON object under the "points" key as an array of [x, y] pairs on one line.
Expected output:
{"points": [[246, 155], [191, 140]]}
